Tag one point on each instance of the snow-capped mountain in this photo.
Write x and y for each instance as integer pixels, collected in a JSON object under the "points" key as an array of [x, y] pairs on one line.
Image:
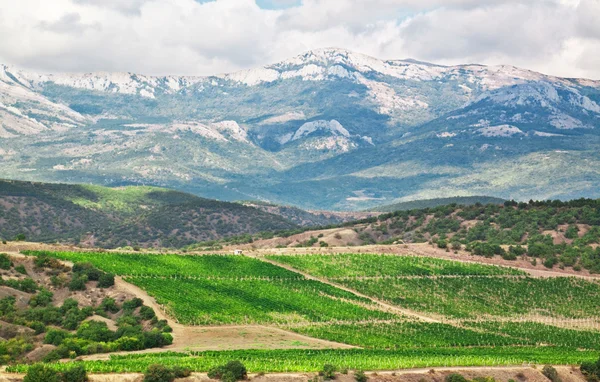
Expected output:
{"points": [[282, 132]]}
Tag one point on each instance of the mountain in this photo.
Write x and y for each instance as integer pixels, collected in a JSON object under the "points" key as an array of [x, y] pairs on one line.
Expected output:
{"points": [[114, 217], [329, 129], [432, 203]]}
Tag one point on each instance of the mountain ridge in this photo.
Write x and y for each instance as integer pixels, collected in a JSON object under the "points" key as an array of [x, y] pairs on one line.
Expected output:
{"points": [[328, 129]]}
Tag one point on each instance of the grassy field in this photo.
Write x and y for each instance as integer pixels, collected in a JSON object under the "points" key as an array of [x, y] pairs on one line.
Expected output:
{"points": [[474, 304]]}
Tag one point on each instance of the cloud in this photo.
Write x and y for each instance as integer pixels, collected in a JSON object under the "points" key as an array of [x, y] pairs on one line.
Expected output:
{"points": [[192, 37]]}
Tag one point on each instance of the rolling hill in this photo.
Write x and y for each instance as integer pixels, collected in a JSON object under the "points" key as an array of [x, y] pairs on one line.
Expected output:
{"points": [[114, 217], [327, 130]]}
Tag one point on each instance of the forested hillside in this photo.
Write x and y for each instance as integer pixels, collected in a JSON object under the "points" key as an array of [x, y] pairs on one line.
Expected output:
{"points": [[564, 234], [116, 217]]}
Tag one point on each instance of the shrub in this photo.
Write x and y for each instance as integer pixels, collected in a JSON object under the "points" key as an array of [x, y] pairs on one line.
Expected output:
{"points": [[360, 376], [109, 305], [56, 336], [147, 313], [75, 374], [21, 269], [160, 373], [106, 280], [454, 377], [442, 244], [41, 298], [95, 331], [5, 262], [20, 237], [591, 370], [328, 372], [78, 282], [133, 303], [551, 373], [38, 326], [41, 373], [233, 369]]}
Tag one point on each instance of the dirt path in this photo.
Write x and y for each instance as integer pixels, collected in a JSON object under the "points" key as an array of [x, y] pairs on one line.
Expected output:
{"points": [[387, 307], [530, 373]]}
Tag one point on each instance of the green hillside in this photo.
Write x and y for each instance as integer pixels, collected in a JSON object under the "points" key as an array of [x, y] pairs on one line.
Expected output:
{"points": [[114, 217]]}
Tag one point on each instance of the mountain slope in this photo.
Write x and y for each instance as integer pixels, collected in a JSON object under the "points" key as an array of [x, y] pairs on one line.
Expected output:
{"points": [[112, 217], [329, 129]]}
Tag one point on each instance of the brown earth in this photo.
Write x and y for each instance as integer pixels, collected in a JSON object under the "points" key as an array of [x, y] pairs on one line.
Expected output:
{"points": [[501, 374]]}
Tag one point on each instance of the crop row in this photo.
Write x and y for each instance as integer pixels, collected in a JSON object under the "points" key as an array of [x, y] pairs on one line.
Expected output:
{"points": [[170, 265], [475, 297], [271, 361], [402, 334], [209, 302], [375, 265]]}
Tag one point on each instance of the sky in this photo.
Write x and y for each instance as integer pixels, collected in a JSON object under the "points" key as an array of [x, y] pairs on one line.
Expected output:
{"points": [[192, 37]]}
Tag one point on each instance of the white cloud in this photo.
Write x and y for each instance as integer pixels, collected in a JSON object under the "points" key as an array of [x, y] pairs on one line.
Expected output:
{"points": [[559, 37]]}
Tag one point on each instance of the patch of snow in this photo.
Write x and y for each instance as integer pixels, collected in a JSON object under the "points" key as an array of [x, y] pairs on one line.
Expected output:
{"points": [[446, 134]]}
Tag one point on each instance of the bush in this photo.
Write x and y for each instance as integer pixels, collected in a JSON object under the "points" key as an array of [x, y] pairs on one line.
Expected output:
{"points": [[442, 244], [454, 377], [5, 262], [591, 370], [88, 269], [21, 269], [147, 313], [109, 305], [133, 304], [38, 326], [160, 373], [328, 372], [360, 376], [41, 373], [41, 298], [551, 373], [20, 237], [106, 280], [95, 331], [75, 374], [233, 369], [78, 282], [56, 336]]}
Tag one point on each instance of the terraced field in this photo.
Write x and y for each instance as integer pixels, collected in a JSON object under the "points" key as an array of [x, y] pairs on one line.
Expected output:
{"points": [[477, 314]]}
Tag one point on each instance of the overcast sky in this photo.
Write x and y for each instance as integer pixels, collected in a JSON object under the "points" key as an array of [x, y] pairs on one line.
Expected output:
{"points": [[191, 37]]}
